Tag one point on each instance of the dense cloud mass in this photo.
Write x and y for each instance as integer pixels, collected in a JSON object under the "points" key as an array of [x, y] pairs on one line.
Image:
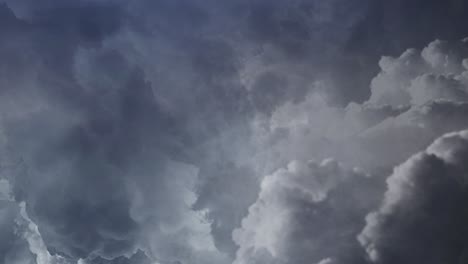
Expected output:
{"points": [[423, 215], [234, 132], [302, 210], [415, 98]]}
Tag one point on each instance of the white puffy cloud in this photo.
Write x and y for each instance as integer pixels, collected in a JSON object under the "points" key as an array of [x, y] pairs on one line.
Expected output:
{"points": [[414, 99], [429, 87], [417, 77], [303, 209]]}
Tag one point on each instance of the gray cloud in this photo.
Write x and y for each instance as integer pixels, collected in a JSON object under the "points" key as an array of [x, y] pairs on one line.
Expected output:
{"points": [[86, 142], [416, 97], [304, 209], [377, 134], [422, 215], [135, 132]]}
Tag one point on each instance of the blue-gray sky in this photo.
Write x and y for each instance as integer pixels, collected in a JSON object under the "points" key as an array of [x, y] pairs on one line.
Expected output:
{"points": [[233, 132]]}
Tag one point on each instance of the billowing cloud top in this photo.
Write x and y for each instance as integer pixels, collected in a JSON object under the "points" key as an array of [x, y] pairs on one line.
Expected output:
{"points": [[241, 132], [422, 216]]}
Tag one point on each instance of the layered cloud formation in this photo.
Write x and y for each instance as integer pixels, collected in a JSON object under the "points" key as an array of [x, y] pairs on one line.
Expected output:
{"points": [[304, 209], [314, 213], [422, 217], [194, 132]]}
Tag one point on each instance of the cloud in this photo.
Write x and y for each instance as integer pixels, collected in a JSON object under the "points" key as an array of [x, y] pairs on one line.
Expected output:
{"points": [[226, 210], [302, 210], [138, 258], [141, 131], [416, 97], [12, 248], [422, 215], [99, 174], [417, 77], [21, 240]]}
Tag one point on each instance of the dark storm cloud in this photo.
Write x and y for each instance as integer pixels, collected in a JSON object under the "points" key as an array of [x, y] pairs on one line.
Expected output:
{"points": [[146, 126], [341, 41], [61, 199], [98, 169], [414, 99], [423, 215], [12, 248], [393, 26], [307, 39], [226, 209], [137, 258], [85, 138], [390, 27]]}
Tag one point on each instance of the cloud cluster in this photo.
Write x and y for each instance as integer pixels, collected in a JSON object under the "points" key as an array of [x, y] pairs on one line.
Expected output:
{"points": [[422, 217], [96, 163], [415, 99], [304, 209], [140, 132]]}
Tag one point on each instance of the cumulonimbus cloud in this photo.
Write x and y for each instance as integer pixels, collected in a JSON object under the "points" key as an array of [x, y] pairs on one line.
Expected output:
{"points": [[304, 209], [422, 216], [416, 98], [141, 132]]}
